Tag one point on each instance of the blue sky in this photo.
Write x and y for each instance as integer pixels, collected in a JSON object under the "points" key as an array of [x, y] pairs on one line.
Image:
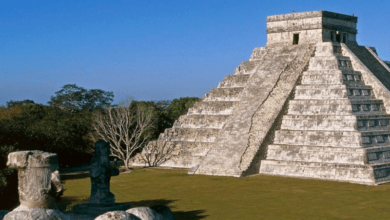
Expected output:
{"points": [[152, 50]]}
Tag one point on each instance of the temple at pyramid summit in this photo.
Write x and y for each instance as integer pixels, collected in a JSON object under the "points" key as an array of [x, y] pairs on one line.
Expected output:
{"points": [[311, 103]]}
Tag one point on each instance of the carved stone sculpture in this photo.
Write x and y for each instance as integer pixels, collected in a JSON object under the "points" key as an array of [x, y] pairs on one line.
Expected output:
{"points": [[100, 173], [39, 185]]}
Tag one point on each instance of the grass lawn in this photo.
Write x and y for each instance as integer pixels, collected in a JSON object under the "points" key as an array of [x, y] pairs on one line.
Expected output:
{"points": [[255, 197]]}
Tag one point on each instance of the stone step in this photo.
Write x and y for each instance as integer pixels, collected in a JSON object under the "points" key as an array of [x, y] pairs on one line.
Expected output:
{"points": [[335, 77], [277, 60], [318, 154], [373, 123], [372, 155], [326, 91], [344, 63], [330, 63], [375, 138], [247, 67], [360, 92], [324, 63], [201, 121], [367, 107], [172, 161], [233, 81], [377, 155], [327, 48], [352, 78], [189, 134], [351, 139], [223, 94], [258, 53], [371, 62], [212, 108], [335, 107], [179, 147], [322, 77], [319, 122], [336, 122], [362, 174]]}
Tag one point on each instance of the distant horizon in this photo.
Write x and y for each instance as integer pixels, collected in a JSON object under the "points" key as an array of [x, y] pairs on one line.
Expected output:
{"points": [[149, 50]]}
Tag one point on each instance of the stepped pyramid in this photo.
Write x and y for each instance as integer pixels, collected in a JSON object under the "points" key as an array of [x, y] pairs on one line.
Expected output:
{"points": [[312, 103]]}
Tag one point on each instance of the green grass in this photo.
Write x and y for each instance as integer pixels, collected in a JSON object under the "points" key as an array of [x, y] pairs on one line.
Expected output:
{"points": [[256, 197]]}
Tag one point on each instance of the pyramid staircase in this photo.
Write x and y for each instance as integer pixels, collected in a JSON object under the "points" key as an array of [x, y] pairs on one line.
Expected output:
{"points": [[335, 127], [220, 125], [194, 133], [305, 105]]}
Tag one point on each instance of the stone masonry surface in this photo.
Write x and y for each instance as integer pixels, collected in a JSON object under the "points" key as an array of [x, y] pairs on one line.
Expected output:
{"points": [[312, 103]]}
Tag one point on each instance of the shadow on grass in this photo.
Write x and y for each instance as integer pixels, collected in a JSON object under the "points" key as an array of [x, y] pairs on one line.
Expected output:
{"points": [[74, 176], [81, 172], [188, 215], [67, 202]]}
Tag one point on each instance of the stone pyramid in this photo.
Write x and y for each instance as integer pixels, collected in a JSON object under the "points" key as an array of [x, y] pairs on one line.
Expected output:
{"points": [[312, 103]]}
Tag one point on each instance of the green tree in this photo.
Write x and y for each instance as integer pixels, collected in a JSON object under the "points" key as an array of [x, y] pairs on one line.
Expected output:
{"points": [[180, 106], [19, 103], [166, 112], [177, 108], [8, 180], [74, 98], [51, 129]]}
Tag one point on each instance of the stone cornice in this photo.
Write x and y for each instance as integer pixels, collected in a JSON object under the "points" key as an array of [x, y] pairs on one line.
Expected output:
{"points": [[312, 27], [311, 14]]}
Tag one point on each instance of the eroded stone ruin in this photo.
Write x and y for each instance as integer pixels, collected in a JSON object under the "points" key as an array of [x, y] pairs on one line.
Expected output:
{"points": [[312, 103], [39, 186]]}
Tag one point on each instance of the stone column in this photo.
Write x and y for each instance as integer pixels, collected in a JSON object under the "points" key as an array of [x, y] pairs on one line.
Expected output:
{"points": [[39, 185]]}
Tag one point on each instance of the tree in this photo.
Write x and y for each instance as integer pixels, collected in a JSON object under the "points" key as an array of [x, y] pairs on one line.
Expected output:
{"points": [[127, 128], [8, 180], [157, 152], [51, 129], [19, 103], [8, 113], [180, 106], [74, 98]]}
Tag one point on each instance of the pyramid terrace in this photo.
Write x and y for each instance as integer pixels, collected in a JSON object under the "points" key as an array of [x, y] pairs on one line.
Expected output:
{"points": [[311, 103]]}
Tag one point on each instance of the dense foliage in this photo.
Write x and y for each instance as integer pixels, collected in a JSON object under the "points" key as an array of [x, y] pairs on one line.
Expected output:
{"points": [[64, 127], [8, 180], [75, 99], [51, 129], [170, 111], [166, 112]]}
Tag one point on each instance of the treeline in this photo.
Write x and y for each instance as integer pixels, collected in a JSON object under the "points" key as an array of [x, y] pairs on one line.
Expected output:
{"points": [[63, 126]]}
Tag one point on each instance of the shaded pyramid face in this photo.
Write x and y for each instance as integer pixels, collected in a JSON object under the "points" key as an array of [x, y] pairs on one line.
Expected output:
{"points": [[335, 127], [314, 109]]}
